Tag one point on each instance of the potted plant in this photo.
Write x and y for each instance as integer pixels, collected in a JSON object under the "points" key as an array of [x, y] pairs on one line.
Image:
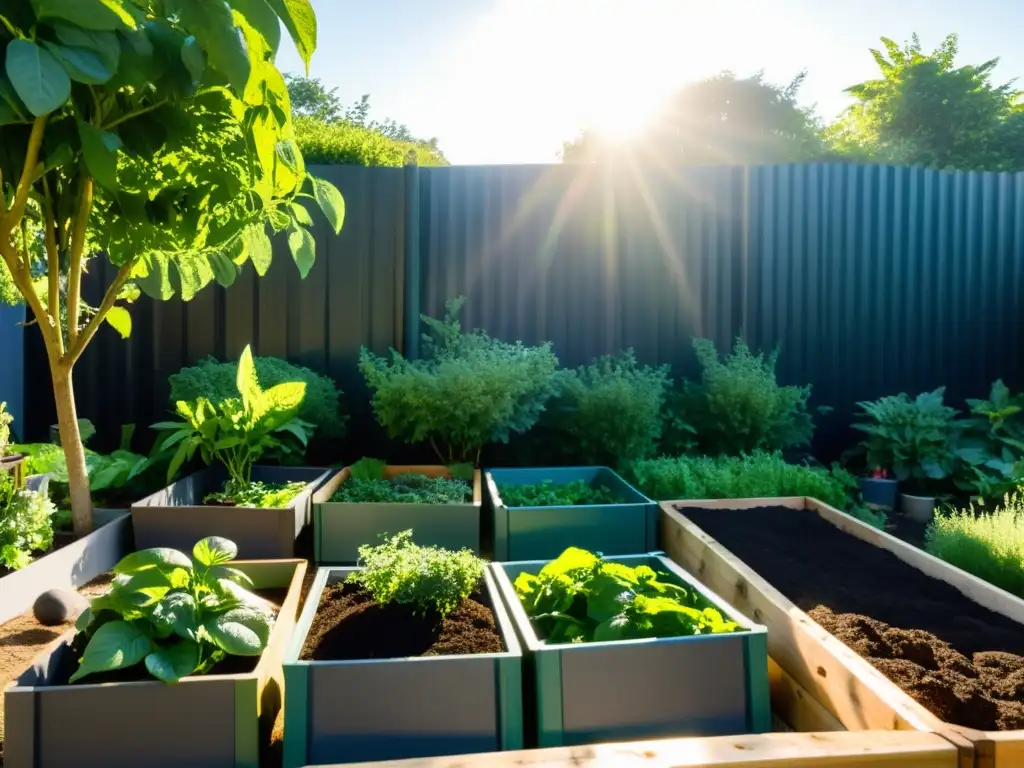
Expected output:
{"points": [[262, 509], [537, 513], [880, 491], [441, 505], [410, 655], [636, 629], [214, 627], [915, 438]]}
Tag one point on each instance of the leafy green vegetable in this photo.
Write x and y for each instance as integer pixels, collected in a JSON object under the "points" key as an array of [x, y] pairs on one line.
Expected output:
{"points": [[580, 598], [405, 489], [26, 523], [258, 495], [236, 431], [177, 615], [547, 494], [429, 578], [990, 449]]}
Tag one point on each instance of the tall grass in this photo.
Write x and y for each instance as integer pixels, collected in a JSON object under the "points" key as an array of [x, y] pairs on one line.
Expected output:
{"points": [[989, 545], [345, 144]]}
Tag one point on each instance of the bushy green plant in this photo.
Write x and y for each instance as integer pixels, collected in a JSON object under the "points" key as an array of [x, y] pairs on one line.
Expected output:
{"points": [[405, 489], [547, 494], [5, 428], [580, 598], [914, 438], [609, 413], [216, 381], [990, 448], [177, 615], [430, 579], [26, 523], [236, 431], [988, 544], [347, 144], [738, 405], [469, 390]]}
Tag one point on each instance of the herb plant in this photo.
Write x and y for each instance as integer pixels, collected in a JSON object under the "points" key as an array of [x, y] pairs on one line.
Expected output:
{"points": [[430, 579], [26, 523], [467, 391], [609, 413], [236, 431], [547, 494], [177, 615], [580, 598], [405, 489]]}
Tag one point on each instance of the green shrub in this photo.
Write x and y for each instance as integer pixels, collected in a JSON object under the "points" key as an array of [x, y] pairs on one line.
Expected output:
{"points": [[547, 494], [468, 391], [990, 447], [346, 144], [609, 413], [428, 578], [26, 523], [404, 489], [989, 545], [738, 405], [216, 382]]}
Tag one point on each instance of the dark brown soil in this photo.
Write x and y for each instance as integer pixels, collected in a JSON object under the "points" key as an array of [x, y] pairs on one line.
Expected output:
{"points": [[350, 625], [959, 660]]}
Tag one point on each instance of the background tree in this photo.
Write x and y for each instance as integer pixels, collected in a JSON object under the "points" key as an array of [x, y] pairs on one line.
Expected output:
{"points": [[721, 120], [310, 98], [155, 132], [924, 110]]}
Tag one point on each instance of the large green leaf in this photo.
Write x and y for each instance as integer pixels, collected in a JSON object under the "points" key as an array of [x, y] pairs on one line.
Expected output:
{"points": [[211, 23], [330, 201], [104, 44], [115, 645], [240, 631], [37, 76], [246, 382], [120, 319], [172, 663], [303, 249], [214, 550], [81, 64], [300, 21], [193, 58], [262, 18], [258, 248], [178, 614], [158, 557], [100, 148], [87, 14]]}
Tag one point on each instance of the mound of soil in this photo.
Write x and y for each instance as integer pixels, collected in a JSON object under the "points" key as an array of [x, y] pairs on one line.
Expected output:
{"points": [[961, 661], [350, 625]]}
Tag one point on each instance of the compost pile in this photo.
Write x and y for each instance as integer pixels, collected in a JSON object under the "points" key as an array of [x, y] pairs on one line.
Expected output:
{"points": [[959, 660]]}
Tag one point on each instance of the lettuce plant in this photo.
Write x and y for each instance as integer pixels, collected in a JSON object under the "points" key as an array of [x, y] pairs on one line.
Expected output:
{"points": [[580, 598], [177, 615]]}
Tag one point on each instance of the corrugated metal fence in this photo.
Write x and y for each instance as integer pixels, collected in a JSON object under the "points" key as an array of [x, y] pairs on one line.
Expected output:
{"points": [[871, 279]]}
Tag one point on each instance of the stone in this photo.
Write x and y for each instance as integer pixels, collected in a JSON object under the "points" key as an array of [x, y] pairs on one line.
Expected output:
{"points": [[56, 606]]}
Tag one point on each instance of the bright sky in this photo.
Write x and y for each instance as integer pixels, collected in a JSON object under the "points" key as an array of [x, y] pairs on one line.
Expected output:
{"points": [[507, 81]]}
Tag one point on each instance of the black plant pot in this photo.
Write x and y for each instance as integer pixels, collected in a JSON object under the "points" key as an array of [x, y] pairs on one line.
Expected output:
{"points": [[880, 492]]}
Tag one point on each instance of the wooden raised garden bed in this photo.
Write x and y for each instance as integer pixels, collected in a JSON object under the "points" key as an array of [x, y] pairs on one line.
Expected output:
{"points": [[341, 527], [521, 533], [851, 576], [394, 706], [211, 720], [176, 517], [70, 566], [588, 692]]}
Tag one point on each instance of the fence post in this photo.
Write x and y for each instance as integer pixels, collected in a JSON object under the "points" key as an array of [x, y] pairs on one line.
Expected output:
{"points": [[411, 306]]}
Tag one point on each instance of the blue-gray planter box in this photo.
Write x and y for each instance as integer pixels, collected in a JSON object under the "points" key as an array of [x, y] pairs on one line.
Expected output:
{"points": [[701, 685], [543, 533], [388, 709]]}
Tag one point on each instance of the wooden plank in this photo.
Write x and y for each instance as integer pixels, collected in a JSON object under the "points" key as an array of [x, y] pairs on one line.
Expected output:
{"points": [[805, 715], [907, 749]]}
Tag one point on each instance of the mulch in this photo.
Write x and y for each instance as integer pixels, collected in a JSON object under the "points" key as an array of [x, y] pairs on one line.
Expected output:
{"points": [[959, 660]]}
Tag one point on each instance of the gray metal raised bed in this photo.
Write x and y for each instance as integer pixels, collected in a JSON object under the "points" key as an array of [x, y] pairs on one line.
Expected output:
{"points": [[701, 685], [176, 516], [70, 566], [340, 527], [211, 722], [385, 709]]}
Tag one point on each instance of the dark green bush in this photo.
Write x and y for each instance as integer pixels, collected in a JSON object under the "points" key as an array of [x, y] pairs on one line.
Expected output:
{"points": [[738, 405], [346, 144], [215, 381], [609, 413], [468, 391]]}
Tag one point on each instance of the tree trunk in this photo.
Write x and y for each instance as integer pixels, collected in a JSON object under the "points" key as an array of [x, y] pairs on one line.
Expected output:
{"points": [[74, 451]]}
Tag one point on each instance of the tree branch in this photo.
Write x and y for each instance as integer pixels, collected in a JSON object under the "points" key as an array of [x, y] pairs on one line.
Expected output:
{"points": [[12, 217], [53, 276], [130, 115], [79, 228], [109, 298]]}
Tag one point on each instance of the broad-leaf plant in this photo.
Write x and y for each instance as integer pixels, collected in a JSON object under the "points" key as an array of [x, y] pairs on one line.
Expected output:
{"points": [[153, 134], [177, 615]]}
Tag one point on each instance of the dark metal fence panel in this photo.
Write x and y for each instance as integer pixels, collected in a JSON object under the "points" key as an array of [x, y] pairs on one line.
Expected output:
{"points": [[12, 373]]}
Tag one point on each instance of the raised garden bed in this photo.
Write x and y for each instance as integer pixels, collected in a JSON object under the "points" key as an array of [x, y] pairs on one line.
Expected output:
{"points": [[915, 639], [340, 527], [176, 516], [211, 720], [370, 682], [624, 522], [70, 564], [699, 684]]}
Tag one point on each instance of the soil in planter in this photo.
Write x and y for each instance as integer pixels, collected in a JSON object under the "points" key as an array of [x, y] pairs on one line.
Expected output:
{"points": [[959, 660], [350, 625]]}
